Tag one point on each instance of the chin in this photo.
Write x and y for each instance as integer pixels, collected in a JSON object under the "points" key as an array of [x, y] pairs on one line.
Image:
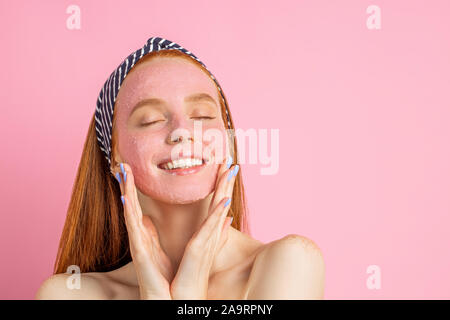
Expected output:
{"points": [[181, 195], [170, 189], [174, 198], [185, 200]]}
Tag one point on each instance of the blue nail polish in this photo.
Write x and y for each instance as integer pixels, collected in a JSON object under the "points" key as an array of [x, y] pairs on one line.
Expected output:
{"points": [[229, 162], [123, 172], [227, 203], [123, 199], [230, 175], [118, 177], [235, 170]]}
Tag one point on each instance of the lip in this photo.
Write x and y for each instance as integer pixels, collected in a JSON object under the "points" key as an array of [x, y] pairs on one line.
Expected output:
{"points": [[184, 171]]}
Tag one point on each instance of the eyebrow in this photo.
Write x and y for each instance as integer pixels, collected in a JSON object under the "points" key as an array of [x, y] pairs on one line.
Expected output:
{"points": [[195, 98]]}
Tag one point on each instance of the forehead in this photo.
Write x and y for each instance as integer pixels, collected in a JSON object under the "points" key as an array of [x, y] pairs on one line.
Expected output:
{"points": [[171, 79]]}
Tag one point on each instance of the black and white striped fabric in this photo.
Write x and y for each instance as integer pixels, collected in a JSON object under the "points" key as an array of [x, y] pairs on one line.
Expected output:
{"points": [[107, 96]]}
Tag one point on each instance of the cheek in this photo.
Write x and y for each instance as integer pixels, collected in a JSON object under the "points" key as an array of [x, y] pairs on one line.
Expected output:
{"points": [[183, 189], [138, 152], [216, 140]]}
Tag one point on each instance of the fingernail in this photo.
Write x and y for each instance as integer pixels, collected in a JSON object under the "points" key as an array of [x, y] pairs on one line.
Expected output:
{"points": [[229, 162], [123, 199], [230, 175], [123, 172], [231, 220], [227, 203], [235, 170], [118, 177]]}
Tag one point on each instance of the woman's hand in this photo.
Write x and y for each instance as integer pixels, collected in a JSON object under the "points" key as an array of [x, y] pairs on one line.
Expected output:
{"points": [[191, 280], [153, 267]]}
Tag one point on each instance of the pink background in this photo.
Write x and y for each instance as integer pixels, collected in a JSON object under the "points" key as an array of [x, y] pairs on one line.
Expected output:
{"points": [[363, 118]]}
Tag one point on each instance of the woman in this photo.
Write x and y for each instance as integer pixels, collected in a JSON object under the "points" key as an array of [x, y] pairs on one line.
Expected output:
{"points": [[152, 203]]}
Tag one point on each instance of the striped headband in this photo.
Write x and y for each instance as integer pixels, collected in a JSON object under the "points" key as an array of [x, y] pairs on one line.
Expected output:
{"points": [[107, 96]]}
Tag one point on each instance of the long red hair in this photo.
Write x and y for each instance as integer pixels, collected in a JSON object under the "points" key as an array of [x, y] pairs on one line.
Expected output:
{"points": [[94, 236]]}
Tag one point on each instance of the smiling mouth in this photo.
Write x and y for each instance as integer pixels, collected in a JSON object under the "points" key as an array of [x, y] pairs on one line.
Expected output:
{"points": [[182, 164]]}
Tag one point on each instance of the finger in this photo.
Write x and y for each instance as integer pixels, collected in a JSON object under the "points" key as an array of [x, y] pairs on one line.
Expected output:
{"points": [[224, 234], [130, 190], [218, 191], [134, 227], [220, 232], [148, 224], [220, 212], [209, 226], [121, 176], [134, 212], [130, 222], [225, 165], [227, 223], [217, 218], [229, 186], [225, 185], [222, 218], [118, 177]]}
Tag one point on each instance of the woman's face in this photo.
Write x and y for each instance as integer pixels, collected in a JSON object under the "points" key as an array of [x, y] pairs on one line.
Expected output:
{"points": [[172, 84]]}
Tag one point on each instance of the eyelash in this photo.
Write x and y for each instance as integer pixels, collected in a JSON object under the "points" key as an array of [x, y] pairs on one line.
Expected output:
{"points": [[150, 123], [202, 118], [153, 122]]}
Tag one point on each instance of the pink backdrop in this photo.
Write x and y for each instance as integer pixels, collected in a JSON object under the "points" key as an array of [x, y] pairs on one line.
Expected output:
{"points": [[363, 118]]}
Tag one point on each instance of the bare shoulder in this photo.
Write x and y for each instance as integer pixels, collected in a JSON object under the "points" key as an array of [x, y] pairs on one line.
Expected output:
{"points": [[291, 248], [294, 243], [288, 268], [83, 286]]}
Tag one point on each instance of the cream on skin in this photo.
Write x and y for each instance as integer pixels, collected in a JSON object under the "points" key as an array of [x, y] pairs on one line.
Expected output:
{"points": [[143, 147], [177, 204]]}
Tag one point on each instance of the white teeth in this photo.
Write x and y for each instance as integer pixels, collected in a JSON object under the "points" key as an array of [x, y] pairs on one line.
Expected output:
{"points": [[182, 163]]}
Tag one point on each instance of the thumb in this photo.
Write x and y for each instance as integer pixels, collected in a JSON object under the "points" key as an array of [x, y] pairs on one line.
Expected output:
{"points": [[150, 227], [224, 234]]}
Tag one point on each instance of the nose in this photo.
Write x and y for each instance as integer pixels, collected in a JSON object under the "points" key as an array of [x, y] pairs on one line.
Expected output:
{"points": [[180, 133], [176, 138]]}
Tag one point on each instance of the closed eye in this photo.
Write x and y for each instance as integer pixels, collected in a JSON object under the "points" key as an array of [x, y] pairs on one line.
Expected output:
{"points": [[150, 123], [203, 118]]}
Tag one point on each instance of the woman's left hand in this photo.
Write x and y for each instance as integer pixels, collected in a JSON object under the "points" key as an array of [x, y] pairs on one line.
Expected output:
{"points": [[191, 280]]}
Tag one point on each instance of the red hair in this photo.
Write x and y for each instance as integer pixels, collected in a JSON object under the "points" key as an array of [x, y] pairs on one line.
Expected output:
{"points": [[94, 236]]}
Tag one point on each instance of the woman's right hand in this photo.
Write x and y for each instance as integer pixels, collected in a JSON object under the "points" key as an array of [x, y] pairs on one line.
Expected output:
{"points": [[153, 267]]}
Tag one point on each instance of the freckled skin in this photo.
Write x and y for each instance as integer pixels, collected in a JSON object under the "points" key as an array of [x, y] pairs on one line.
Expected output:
{"points": [[143, 148]]}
